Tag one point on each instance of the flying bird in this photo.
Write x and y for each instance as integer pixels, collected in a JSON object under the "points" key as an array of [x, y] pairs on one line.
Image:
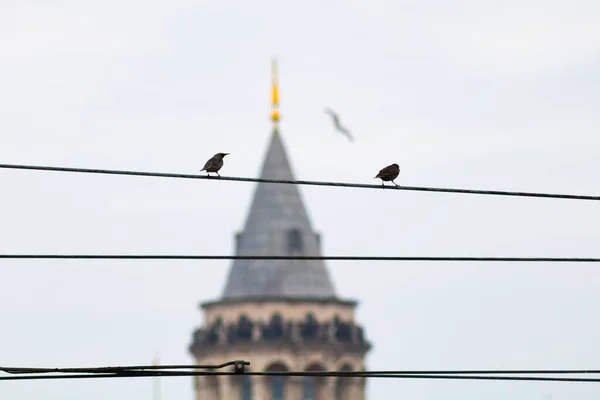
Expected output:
{"points": [[388, 173], [214, 164], [338, 126]]}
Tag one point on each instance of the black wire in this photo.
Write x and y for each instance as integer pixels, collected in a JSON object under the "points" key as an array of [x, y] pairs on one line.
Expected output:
{"points": [[298, 182], [123, 368], [466, 372], [335, 258], [29, 370], [148, 371], [339, 374]]}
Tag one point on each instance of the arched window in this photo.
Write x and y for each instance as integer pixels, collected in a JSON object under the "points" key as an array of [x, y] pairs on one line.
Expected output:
{"points": [[213, 334], [277, 325], [277, 383], [313, 386], [294, 240], [246, 389], [278, 388], [244, 328], [309, 327], [343, 330], [342, 387], [309, 388]]}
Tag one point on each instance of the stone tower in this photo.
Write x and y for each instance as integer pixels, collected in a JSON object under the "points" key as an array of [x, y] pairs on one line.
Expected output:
{"points": [[281, 315]]}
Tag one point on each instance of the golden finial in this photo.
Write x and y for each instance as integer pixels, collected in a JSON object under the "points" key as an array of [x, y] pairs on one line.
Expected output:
{"points": [[274, 94]]}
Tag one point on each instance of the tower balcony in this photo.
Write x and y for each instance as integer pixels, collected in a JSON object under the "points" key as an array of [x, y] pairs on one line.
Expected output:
{"points": [[346, 336]]}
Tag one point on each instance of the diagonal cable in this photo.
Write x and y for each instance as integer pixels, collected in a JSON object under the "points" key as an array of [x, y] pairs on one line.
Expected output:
{"points": [[300, 182]]}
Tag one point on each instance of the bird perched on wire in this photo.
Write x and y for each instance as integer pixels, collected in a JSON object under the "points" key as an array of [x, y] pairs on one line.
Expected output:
{"points": [[214, 164], [338, 126], [388, 173]]}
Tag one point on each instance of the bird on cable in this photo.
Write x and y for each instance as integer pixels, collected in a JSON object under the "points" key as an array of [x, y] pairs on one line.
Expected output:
{"points": [[214, 164], [338, 126], [388, 173]]}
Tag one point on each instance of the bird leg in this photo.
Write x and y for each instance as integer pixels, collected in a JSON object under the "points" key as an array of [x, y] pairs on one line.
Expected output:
{"points": [[218, 175], [394, 183]]}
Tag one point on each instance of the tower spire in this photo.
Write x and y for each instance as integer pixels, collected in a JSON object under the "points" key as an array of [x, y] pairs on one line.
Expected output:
{"points": [[274, 95]]}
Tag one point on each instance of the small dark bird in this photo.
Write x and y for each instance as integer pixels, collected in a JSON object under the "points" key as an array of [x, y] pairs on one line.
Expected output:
{"points": [[214, 164], [389, 173], [338, 126]]}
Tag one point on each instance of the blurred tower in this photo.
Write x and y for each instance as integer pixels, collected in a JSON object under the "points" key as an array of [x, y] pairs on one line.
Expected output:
{"points": [[281, 315]]}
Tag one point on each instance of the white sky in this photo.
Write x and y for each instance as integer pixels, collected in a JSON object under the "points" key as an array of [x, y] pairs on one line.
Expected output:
{"points": [[474, 94]]}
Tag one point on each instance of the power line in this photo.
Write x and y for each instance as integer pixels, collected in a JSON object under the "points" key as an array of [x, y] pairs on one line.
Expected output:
{"points": [[118, 369], [299, 182], [338, 258], [29, 373], [175, 370], [339, 374], [330, 258], [241, 364]]}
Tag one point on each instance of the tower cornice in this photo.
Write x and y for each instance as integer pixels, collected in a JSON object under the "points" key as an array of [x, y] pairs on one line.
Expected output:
{"points": [[270, 299]]}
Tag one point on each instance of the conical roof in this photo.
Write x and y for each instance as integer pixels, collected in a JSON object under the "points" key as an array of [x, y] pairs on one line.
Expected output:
{"points": [[278, 224]]}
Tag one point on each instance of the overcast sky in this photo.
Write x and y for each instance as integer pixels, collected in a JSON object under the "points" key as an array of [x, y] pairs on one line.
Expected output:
{"points": [[473, 94]]}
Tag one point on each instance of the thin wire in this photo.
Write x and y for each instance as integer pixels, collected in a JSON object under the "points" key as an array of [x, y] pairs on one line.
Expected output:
{"points": [[339, 374], [333, 258], [117, 369], [298, 182], [28, 370]]}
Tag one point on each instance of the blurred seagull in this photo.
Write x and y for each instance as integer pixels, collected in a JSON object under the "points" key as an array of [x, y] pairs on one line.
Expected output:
{"points": [[338, 126], [214, 164]]}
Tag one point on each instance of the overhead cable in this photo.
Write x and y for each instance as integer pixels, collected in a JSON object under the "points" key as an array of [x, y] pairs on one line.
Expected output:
{"points": [[300, 182]]}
